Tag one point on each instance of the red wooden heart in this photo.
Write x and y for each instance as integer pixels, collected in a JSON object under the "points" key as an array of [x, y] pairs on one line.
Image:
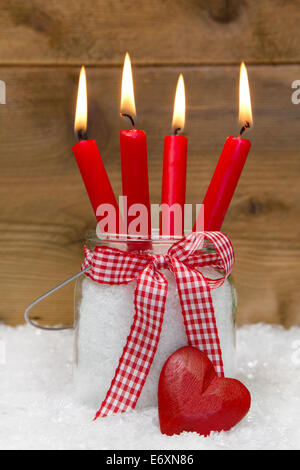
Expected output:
{"points": [[191, 397]]}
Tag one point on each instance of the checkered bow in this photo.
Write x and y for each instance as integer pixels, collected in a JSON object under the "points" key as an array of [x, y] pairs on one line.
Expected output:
{"points": [[185, 260]]}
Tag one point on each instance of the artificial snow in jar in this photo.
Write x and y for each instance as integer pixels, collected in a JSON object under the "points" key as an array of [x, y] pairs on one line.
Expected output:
{"points": [[104, 314]]}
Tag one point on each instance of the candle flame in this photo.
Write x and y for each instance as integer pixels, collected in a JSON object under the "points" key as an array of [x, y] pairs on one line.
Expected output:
{"points": [[179, 105], [127, 93], [80, 123], [245, 113]]}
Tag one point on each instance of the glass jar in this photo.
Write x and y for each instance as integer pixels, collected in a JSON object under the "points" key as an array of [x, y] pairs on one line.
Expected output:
{"points": [[104, 314]]}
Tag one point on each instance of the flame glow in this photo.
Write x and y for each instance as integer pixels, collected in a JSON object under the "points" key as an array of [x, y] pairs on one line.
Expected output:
{"points": [[245, 113], [179, 105], [80, 123], [127, 93]]}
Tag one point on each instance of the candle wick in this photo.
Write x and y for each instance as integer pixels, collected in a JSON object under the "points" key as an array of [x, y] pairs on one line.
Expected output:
{"points": [[81, 134], [245, 126], [129, 117], [177, 130]]}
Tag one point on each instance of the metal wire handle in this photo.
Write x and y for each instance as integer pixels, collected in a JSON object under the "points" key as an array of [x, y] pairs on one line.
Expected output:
{"points": [[42, 297]]}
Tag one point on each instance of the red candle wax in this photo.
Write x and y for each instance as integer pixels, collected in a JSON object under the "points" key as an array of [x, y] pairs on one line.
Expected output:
{"points": [[224, 182], [133, 145], [174, 182], [95, 177]]}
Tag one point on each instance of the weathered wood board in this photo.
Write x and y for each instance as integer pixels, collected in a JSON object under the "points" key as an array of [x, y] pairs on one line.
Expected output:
{"points": [[156, 32]]}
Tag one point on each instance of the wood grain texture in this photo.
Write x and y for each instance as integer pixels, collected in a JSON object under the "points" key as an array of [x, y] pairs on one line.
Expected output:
{"points": [[156, 32], [44, 210]]}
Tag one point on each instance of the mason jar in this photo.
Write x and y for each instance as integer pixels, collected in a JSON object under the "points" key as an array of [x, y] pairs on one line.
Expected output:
{"points": [[104, 314]]}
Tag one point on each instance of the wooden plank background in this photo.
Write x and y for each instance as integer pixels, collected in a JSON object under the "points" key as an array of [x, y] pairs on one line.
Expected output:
{"points": [[44, 211]]}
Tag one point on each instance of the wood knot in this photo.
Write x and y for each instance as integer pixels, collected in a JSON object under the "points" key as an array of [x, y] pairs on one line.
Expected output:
{"points": [[223, 11], [41, 21], [255, 207]]}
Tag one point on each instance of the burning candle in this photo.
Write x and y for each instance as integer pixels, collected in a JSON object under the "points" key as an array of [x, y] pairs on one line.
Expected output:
{"points": [[133, 146], [91, 165], [174, 170], [230, 164]]}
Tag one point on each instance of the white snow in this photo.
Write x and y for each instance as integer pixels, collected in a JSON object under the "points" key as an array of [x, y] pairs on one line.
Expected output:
{"points": [[38, 409]]}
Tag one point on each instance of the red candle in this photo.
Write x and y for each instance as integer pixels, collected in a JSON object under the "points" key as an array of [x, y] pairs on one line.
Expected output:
{"points": [[174, 171], [229, 167], [224, 181], [133, 147], [91, 165]]}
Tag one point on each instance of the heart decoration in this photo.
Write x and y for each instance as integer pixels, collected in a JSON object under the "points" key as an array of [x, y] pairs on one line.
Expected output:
{"points": [[191, 397]]}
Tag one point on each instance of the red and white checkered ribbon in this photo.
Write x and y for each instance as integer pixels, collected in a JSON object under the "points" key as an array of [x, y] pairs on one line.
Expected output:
{"points": [[184, 259]]}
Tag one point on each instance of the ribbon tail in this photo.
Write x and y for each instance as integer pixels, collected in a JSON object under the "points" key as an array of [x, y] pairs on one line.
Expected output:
{"points": [[198, 313], [138, 354]]}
